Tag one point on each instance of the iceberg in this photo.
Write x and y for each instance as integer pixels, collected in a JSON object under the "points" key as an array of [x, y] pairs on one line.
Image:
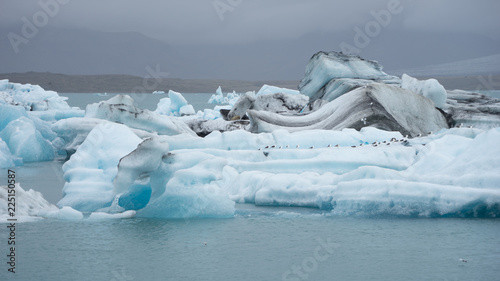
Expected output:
{"points": [[31, 97], [6, 158], [29, 204], [430, 89], [337, 87], [268, 89], [348, 172], [91, 169], [377, 105], [323, 67], [473, 109], [174, 105], [205, 127], [352, 141], [141, 184], [119, 109], [113, 175], [26, 142], [122, 109], [219, 98], [26, 114], [276, 102]]}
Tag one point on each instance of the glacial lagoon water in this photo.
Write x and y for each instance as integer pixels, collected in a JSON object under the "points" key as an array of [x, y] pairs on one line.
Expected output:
{"points": [[258, 243]]}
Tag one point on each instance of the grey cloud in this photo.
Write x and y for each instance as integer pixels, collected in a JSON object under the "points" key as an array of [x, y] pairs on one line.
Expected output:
{"points": [[197, 22]]}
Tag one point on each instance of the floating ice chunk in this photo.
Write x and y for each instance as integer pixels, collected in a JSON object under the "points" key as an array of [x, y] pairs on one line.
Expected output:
{"points": [[137, 163], [277, 102], [122, 109], [65, 213], [6, 158], [187, 109], [34, 143], [73, 131], [379, 105], [29, 204], [177, 101], [158, 92], [163, 106], [430, 89], [90, 171], [174, 105], [323, 67], [57, 114], [9, 113], [141, 184], [218, 97], [210, 114], [206, 127], [337, 87], [480, 111], [31, 97], [106, 216], [26, 142], [268, 89]]}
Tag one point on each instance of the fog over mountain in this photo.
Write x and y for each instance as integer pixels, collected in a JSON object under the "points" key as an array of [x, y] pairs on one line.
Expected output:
{"points": [[244, 40]]}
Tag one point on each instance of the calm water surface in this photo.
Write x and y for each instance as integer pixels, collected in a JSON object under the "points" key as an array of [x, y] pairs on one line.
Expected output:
{"points": [[265, 245]]}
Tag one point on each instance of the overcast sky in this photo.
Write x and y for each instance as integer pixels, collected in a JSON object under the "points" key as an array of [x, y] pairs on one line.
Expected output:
{"points": [[240, 39], [181, 22]]}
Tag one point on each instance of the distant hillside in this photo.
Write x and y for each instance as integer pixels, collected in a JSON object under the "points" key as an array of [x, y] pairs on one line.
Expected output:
{"points": [[478, 66], [63, 83]]}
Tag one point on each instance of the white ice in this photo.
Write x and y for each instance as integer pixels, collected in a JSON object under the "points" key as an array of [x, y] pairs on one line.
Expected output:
{"points": [[430, 89], [183, 176], [26, 142], [174, 105], [90, 171], [122, 109], [31, 97], [219, 98], [28, 204], [26, 114], [268, 89], [324, 67]]}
